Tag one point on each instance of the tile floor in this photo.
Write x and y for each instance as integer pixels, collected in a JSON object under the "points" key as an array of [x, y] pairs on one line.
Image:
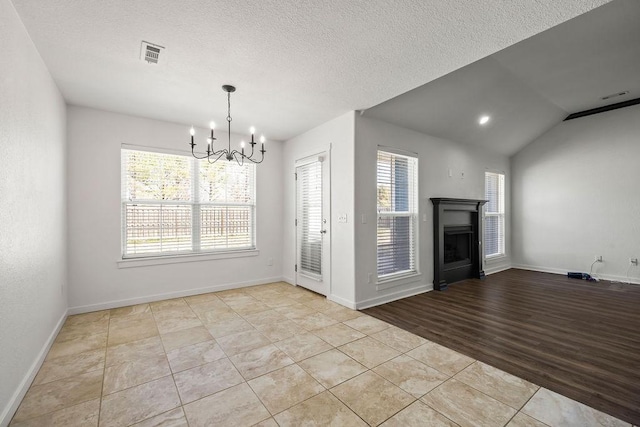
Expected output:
{"points": [[272, 355]]}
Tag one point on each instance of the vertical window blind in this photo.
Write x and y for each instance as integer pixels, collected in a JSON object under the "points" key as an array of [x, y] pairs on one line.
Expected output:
{"points": [[310, 218], [174, 204], [494, 229], [397, 186]]}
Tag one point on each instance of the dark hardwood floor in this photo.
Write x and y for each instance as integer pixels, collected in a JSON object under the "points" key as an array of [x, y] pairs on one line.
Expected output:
{"points": [[577, 338]]}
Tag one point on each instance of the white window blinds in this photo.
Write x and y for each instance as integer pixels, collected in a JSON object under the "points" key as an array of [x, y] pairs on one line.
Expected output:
{"points": [[174, 204], [397, 235], [310, 218], [494, 229]]}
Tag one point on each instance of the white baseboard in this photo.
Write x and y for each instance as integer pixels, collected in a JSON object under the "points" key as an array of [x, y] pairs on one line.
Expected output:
{"points": [[342, 301], [494, 270], [562, 271], [168, 295], [13, 404], [372, 302]]}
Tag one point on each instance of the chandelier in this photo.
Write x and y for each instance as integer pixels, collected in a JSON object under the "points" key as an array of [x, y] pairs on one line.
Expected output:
{"points": [[214, 155]]}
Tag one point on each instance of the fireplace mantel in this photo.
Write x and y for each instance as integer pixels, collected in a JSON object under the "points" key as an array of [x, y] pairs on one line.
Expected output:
{"points": [[460, 218]]}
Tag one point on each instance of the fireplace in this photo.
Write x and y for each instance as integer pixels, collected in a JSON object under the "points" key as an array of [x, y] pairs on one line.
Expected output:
{"points": [[457, 240]]}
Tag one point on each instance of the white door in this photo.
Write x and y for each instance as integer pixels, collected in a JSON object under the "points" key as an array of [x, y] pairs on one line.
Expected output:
{"points": [[312, 224]]}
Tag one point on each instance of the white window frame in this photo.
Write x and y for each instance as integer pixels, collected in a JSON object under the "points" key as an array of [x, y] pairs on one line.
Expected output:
{"points": [[196, 253], [500, 214], [412, 212]]}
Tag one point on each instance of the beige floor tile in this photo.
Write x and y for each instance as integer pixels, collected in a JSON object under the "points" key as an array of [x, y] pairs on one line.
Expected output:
{"points": [[269, 422], [70, 366], [173, 303], [77, 345], [172, 418], [176, 320], [399, 339], [234, 407], [80, 330], [281, 301], [321, 410], [314, 321], [211, 305], [280, 330], [201, 298], [123, 322], [295, 310], [131, 328], [259, 361], [185, 337], [332, 367], [281, 389], [194, 355], [56, 395], [556, 410], [366, 324], [213, 317], [133, 373], [418, 414], [467, 406], [229, 326], [372, 397], [523, 420], [136, 404], [412, 376], [445, 360], [132, 309], [338, 334], [498, 384], [82, 415], [87, 317], [321, 304], [303, 346], [264, 317], [204, 380], [369, 352], [245, 304], [134, 350], [341, 313], [241, 342]]}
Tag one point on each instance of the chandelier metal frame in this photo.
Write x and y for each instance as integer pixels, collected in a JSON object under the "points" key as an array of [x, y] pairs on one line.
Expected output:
{"points": [[213, 155]]}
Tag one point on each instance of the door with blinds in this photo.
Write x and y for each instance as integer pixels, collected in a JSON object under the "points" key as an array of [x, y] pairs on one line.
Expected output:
{"points": [[312, 224]]}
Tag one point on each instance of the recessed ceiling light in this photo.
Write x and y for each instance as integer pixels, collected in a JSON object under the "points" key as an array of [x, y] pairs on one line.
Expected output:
{"points": [[484, 120]]}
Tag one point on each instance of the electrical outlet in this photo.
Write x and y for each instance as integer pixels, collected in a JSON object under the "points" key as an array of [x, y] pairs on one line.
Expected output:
{"points": [[598, 258], [633, 261]]}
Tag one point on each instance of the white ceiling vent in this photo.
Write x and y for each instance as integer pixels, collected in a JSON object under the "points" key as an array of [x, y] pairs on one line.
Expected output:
{"points": [[151, 53]]}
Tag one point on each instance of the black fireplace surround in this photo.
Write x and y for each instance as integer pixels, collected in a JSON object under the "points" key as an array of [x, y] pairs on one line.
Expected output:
{"points": [[457, 241]]}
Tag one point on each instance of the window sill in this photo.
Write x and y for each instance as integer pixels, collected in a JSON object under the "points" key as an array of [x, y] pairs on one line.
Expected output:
{"points": [[176, 259], [496, 257], [400, 280]]}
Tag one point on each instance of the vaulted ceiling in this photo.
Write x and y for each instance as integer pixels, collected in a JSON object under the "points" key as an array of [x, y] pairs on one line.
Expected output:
{"points": [[296, 63], [529, 87]]}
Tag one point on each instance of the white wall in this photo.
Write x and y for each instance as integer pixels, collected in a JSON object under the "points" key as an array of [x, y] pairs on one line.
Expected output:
{"points": [[95, 279], [435, 157], [336, 135], [33, 259], [575, 195]]}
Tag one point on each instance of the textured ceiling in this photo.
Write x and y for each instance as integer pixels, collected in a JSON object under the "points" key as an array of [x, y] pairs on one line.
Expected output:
{"points": [[531, 86], [296, 63]]}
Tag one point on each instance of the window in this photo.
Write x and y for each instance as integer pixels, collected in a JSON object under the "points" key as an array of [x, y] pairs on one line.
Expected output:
{"points": [[397, 179], [494, 215], [175, 204]]}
